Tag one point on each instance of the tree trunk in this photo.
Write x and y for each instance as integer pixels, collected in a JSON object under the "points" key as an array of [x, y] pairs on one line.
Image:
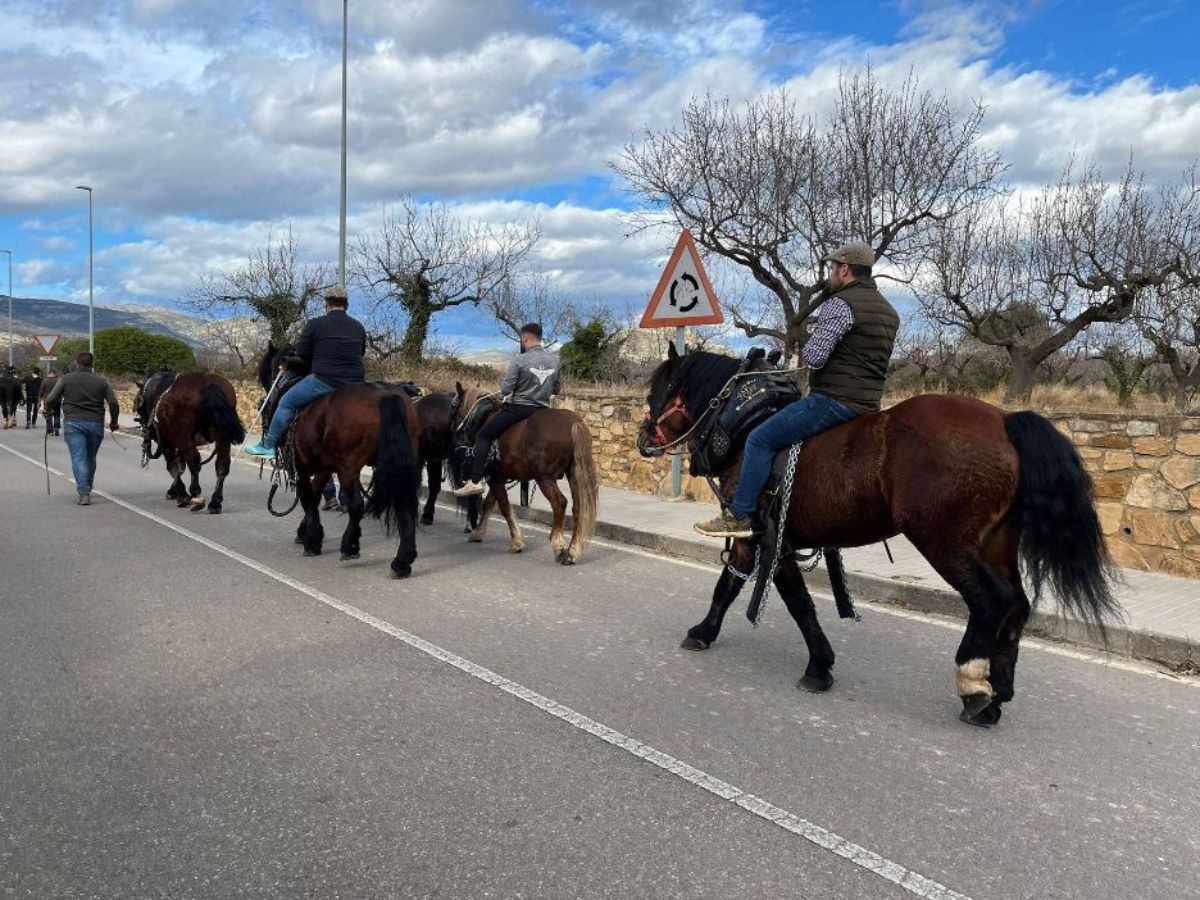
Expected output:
{"points": [[1021, 378], [416, 332]]}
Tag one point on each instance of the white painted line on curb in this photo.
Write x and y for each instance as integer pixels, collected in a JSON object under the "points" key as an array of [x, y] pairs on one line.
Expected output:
{"points": [[912, 882]]}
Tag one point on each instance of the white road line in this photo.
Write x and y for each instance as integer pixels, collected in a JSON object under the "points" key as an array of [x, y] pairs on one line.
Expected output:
{"points": [[910, 881]]}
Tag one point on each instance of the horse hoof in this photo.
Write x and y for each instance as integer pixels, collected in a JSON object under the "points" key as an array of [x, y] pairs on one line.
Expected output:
{"points": [[402, 572], [691, 643], [426, 520], [815, 684], [472, 539], [974, 704], [984, 717], [214, 510], [567, 559], [309, 551], [520, 549], [346, 556], [298, 540]]}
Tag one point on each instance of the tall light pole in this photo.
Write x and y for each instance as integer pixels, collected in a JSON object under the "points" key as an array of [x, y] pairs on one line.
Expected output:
{"points": [[10, 337], [91, 315], [342, 210]]}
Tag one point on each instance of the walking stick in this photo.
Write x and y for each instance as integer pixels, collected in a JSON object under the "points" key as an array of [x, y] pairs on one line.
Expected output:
{"points": [[46, 459]]}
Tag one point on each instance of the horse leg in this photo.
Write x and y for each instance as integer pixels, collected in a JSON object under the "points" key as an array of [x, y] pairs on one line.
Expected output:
{"points": [[558, 504], [195, 495], [485, 514], [729, 585], [310, 502], [406, 550], [175, 467], [1003, 559], [516, 541], [789, 581], [433, 478], [354, 509], [221, 467]]}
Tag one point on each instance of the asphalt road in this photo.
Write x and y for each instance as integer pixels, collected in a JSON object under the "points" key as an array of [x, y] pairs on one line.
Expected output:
{"points": [[199, 711]]}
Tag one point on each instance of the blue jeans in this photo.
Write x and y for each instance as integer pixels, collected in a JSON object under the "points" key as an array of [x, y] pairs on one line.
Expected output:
{"points": [[83, 442], [307, 389], [797, 422]]}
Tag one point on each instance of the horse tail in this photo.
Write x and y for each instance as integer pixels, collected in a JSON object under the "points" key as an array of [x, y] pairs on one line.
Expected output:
{"points": [[220, 416], [397, 469], [1061, 540], [585, 486]]}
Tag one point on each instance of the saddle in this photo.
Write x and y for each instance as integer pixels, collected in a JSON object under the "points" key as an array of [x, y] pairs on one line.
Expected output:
{"points": [[463, 454], [750, 400]]}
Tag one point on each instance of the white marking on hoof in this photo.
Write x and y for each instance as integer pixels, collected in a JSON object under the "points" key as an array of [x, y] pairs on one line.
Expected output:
{"points": [[972, 678]]}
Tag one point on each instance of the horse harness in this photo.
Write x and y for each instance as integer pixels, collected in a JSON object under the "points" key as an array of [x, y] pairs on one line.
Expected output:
{"points": [[150, 428]]}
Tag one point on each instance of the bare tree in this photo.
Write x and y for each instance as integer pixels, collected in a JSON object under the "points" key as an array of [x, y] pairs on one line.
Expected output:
{"points": [[1030, 277], [774, 191], [273, 287], [424, 259], [531, 297]]}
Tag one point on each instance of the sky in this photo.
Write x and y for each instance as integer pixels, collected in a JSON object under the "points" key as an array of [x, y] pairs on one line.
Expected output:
{"points": [[207, 126]]}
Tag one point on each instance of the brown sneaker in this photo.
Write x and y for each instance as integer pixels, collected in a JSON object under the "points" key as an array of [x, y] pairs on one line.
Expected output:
{"points": [[470, 489], [85, 499], [727, 525]]}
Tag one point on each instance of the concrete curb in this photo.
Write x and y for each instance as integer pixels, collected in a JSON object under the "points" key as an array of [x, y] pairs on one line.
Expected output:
{"points": [[1181, 653]]}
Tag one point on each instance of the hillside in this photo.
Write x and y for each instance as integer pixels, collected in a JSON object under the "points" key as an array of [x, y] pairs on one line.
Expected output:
{"points": [[37, 316]]}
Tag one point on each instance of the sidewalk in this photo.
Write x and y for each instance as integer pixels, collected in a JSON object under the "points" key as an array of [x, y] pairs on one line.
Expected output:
{"points": [[1162, 612]]}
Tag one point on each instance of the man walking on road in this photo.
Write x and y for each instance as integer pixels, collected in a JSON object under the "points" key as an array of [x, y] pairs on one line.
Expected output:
{"points": [[33, 390], [53, 416], [84, 394]]}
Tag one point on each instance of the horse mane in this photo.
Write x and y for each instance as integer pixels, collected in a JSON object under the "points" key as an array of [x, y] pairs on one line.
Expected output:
{"points": [[697, 377]]}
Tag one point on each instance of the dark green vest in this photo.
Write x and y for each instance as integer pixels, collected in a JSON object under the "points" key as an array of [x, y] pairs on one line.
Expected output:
{"points": [[858, 365]]}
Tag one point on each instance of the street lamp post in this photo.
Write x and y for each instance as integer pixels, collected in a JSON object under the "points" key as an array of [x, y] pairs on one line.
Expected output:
{"points": [[342, 209], [10, 335], [91, 314]]}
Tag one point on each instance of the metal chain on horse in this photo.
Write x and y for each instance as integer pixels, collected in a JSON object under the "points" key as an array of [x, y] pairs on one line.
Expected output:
{"points": [[785, 499], [283, 472]]}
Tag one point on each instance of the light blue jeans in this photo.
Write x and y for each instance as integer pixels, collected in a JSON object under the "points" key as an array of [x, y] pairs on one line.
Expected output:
{"points": [[797, 422], [83, 443], [307, 389]]}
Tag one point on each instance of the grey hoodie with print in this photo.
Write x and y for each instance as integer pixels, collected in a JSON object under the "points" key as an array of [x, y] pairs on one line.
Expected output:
{"points": [[532, 377]]}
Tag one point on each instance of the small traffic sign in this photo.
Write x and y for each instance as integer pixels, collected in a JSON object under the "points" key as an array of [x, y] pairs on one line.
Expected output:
{"points": [[47, 341], [684, 295]]}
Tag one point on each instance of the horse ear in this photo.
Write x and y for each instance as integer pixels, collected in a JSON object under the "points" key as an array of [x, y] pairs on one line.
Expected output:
{"points": [[140, 384], [672, 353], [459, 389]]}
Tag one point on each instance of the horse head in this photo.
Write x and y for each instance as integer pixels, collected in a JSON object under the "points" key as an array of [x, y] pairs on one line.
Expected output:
{"points": [[149, 393], [681, 389], [469, 408]]}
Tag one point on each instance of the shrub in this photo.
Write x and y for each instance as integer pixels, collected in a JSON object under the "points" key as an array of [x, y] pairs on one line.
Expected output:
{"points": [[131, 351]]}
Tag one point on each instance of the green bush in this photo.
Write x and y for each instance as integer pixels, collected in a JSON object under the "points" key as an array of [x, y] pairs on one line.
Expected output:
{"points": [[130, 351], [582, 357]]}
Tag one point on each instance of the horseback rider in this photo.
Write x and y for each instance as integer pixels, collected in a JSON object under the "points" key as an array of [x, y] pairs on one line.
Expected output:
{"points": [[532, 379], [847, 357], [332, 346]]}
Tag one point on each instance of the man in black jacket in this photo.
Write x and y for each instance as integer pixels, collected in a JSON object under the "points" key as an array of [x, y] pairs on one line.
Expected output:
{"points": [[332, 346], [33, 390]]}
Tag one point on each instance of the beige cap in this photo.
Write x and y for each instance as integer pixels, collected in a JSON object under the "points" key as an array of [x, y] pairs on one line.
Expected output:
{"points": [[336, 293], [853, 255]]}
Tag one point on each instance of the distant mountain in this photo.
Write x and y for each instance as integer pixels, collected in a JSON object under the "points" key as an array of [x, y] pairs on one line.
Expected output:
{"points": [[33, 315]]}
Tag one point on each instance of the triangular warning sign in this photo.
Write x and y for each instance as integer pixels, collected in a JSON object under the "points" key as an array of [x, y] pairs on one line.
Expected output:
{"points": [[684, 295], [46, 341]]}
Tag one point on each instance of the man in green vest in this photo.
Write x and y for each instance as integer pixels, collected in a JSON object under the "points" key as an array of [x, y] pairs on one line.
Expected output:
{"points": [[847, 356]]}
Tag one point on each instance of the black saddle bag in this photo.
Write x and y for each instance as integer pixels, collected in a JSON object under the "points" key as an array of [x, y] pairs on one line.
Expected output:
{"points": [[752, 400]]}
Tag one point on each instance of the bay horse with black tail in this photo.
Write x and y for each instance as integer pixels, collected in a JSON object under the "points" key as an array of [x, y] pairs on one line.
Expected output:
{"points": [[549, 445], [435, 437], [357, 425], [979, 492], [181, 413]]}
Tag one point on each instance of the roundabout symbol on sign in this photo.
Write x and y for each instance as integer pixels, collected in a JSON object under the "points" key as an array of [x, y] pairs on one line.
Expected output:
{"points": [[693, 292]]}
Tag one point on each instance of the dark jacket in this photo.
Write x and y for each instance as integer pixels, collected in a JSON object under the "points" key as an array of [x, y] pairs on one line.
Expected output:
{"points": [[10, 389], [48, 384], [83, 394], [33, 388], [332, 346], [857, 368]]}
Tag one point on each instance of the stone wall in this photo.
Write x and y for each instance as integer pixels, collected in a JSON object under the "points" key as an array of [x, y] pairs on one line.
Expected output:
{"points": [[1146, 473]]}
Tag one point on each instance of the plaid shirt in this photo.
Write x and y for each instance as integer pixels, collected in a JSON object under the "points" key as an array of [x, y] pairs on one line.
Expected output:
{"points": [[834, 319]]}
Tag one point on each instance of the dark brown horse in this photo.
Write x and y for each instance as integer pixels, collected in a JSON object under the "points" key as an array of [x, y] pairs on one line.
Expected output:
{"points": [[549, 445], [978, 491], [181, 413], [435, 437], [366, 424]]}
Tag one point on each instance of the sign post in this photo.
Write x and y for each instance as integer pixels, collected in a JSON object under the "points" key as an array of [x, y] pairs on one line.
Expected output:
{"points": [[683, 297], [47, 342]]}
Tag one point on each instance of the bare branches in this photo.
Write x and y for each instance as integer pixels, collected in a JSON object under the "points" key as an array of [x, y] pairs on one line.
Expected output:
{"points": [[424, 259]]}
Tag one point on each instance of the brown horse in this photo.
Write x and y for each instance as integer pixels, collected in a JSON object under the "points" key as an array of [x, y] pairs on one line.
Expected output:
{"points": [[178, 415], [977, 491], [435, 437], [550, 444]]}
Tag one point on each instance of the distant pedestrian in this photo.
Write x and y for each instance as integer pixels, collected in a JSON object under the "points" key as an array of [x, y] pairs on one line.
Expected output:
{"points": [[53, 415], [84, 395], [10, 397], [33, 390]]}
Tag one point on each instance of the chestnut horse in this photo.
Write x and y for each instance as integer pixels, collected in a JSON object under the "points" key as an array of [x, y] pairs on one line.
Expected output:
{"points": [[178, 415], [356, 425], [978, 491], [550, 444]]}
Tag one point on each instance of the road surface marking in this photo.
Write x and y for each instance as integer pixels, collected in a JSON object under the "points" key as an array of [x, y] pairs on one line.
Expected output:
{"points": [[912, 882]]}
